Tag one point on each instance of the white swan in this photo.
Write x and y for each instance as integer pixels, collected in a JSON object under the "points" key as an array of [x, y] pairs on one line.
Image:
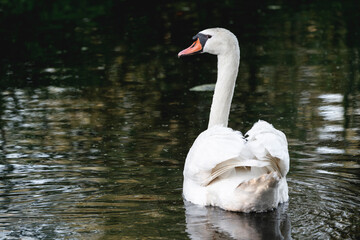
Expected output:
{"points": [[223, 168]]}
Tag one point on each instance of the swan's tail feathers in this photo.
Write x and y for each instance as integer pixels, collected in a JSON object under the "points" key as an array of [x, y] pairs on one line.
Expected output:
{"points": [[261, 184], [228, 165], [259, 194]]}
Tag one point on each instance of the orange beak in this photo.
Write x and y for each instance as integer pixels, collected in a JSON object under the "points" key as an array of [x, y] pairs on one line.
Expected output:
{"points": [[194, 48]]}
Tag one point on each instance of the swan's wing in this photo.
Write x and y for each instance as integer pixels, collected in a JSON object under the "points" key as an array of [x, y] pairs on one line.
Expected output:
{"points": [[229, 165], [219, 150], [216, 146], [269, 144]]}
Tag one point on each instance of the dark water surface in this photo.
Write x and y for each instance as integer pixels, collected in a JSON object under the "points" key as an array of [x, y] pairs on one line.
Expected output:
{"points": [[97, 117]]}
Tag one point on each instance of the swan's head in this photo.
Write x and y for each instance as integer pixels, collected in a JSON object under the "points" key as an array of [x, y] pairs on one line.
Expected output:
{"points": [[215, 41]]}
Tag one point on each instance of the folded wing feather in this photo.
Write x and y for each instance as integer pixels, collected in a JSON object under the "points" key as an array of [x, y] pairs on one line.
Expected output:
{"points": [[219, 150]]}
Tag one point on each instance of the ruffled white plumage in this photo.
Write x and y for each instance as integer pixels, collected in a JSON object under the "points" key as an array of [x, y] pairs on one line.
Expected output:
{"points": [[225, 169]]}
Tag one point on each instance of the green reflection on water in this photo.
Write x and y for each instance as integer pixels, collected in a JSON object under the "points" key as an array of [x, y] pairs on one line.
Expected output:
{"points": [[97, 116]]}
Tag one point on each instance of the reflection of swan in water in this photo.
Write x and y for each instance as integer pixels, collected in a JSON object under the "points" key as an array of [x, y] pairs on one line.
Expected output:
{"points": [[213, 223]]}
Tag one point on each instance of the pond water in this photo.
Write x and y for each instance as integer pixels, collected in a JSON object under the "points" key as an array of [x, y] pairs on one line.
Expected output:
{"points": [[96, 123]]}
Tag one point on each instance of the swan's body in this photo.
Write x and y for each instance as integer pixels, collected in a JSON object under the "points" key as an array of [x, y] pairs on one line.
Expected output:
{"points": [[223, 168]]}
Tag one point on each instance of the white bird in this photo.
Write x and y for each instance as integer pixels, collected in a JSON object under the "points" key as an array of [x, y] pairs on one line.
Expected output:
{"points": [[223, 168]]}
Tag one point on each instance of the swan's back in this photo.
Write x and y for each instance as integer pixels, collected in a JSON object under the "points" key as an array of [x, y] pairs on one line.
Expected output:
{"points": [[239, 174]]}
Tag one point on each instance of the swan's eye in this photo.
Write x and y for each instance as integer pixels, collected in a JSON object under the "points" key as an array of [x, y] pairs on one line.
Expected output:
{"points": [[209, 36]]}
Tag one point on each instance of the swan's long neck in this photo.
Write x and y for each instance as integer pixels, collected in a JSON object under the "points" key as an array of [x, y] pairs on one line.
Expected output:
{"points": [[228, 65]]}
